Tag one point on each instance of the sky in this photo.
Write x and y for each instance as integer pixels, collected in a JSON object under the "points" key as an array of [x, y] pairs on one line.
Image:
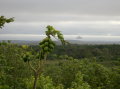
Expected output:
{"points": [[89, 19]]}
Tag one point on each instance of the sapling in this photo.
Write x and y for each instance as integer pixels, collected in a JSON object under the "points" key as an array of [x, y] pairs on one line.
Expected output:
{"points": [[47, 45]]}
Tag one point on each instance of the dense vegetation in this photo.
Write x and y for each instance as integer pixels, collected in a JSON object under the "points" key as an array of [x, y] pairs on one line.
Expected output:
{"points": [[100, 52], [69, 67]]}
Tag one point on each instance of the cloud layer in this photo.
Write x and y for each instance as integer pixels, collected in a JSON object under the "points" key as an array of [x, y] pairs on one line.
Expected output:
{"points": [[72, 17]]}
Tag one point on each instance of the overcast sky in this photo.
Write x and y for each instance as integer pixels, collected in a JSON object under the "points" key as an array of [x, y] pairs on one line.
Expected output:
{"points": [[87, 18]]}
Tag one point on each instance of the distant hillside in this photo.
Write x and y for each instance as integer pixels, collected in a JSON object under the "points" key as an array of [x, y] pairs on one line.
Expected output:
{"points": [[93, 42], [21, 42]]}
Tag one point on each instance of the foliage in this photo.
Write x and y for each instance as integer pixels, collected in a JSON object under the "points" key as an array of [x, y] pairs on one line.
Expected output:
{"points": [[102, 53], [4, 20], [47, 45], [66, 73], [12, 68], [79, 83], [43, 83], [95, 75]]}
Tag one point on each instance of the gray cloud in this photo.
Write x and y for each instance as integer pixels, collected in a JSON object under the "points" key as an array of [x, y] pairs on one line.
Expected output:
{"points": [[88, 7], [83, 17], [68, 28]]}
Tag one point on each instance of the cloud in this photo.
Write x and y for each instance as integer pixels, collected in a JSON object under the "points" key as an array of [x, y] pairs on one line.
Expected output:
{"points": [[67, 27], [72, 17], [88, 7]]}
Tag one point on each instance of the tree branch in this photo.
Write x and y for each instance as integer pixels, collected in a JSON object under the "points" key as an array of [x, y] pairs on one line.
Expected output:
{"points": [[31, 67]]}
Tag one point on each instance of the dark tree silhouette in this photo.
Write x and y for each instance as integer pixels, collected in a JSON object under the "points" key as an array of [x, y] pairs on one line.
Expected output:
{"points": [[4, 20]]}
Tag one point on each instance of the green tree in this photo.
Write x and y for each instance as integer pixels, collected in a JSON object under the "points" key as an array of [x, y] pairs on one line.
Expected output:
{"points": [[46, 46], [44, 82], [4, 20], [12, 67], [79, 83]]}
